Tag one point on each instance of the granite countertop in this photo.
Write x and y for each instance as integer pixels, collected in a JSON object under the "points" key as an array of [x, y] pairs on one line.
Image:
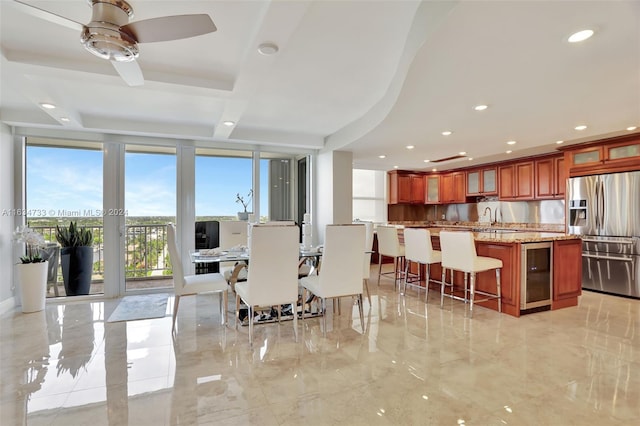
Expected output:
{"points": [[523, 227], [503, 236]]}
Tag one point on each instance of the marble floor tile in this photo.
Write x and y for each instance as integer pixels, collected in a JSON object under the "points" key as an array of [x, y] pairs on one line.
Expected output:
{"points": [[414, 364]]}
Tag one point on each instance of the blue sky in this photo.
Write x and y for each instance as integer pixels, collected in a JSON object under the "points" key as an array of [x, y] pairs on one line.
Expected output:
{"points": [[70, 179]]}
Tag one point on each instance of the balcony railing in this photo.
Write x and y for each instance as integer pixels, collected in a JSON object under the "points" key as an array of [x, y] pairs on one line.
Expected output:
{"points": [[146, 253]]}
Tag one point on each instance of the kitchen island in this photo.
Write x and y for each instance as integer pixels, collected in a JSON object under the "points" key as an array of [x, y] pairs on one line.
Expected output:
{"points": [[566, 262]]}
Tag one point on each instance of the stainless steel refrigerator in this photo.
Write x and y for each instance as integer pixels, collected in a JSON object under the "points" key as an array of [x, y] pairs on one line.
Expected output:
{"points": [[605, 211]]}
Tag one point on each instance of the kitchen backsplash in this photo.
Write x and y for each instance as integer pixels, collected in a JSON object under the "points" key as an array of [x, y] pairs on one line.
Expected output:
{"points": [[550, 212]]}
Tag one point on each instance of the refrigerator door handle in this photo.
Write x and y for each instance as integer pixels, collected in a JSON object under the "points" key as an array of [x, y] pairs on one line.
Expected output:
{"points": [[596, 201], [602, 212]]}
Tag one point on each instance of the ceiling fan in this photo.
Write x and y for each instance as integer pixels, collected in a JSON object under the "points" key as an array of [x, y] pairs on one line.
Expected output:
{"points": [[111, 36]]}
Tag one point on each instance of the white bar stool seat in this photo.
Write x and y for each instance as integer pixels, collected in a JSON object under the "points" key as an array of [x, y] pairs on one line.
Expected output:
{"points": [[459, 253], [418, 249]]}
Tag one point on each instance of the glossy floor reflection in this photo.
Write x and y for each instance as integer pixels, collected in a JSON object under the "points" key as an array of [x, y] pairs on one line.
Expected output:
{"points": [[415, 364]]}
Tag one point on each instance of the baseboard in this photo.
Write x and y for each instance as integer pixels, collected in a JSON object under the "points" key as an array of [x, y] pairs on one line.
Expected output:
{"points": [[7, 305]]}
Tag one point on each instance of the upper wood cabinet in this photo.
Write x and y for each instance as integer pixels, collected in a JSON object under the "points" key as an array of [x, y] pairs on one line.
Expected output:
{"points": [[482, 182], [607, 156], [452, 188], [517, 181], [550, 177], [406, 188], [432, 189]]}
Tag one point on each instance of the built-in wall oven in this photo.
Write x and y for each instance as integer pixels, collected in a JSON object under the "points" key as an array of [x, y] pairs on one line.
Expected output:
{"points": [[536, 276]]}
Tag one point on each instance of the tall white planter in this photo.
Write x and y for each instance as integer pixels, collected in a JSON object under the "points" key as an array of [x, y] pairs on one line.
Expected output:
{"points": [[33, 285]]}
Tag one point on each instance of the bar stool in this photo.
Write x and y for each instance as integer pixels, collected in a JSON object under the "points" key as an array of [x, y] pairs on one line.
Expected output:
{"points": [[418, 249], [459, 253], [389, 245]]}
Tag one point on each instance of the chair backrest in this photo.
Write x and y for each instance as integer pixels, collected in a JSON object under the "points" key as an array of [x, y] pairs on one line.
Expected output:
{"points": [[174, 256], [417, 245], [342, 257], [458, 250], [233, 233], [388, 241], [273, 264]]}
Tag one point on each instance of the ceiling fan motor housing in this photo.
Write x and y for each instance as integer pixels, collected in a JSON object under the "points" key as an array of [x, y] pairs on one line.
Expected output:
{"points": [[104, 37]]}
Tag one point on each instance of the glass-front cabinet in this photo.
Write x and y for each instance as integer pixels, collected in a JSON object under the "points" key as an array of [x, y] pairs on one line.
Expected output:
{"points": [[482, 182], [432, 195]]}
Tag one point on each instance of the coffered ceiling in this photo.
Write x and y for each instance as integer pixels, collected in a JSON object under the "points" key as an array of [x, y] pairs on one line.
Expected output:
{"points": [[371, 77]]}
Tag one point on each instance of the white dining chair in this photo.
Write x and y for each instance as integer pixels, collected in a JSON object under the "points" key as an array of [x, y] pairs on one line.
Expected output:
{"points": [[272, 276], [418, 249], [188, 285], [233, 233], [368, 246], [389, 245], [341, 271]]}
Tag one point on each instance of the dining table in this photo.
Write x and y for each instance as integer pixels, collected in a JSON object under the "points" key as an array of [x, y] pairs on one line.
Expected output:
{"points": [[241, 259]]}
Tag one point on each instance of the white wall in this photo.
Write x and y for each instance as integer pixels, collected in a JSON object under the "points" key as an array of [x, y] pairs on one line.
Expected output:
{"points": [[334, 191], [6, 219]]}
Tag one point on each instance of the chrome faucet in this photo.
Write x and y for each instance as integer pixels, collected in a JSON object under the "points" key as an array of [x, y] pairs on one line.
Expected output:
{"points": [[485, 213]]}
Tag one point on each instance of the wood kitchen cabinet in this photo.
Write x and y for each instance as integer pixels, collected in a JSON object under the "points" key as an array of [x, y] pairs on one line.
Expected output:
{"points": [[550, 178], [567, 279], [482, 182], [432, 189], [406, 188], [517, 181], [612, 155], [452, 187]]}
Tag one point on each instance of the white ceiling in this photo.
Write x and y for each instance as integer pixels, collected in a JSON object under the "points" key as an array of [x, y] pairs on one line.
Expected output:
{"points": [[364, 76]]}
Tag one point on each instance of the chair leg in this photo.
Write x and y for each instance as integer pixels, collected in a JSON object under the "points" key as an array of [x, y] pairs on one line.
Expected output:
{"points": [[237, 310], [295, 320], [499, 288], [379, 267], [466, 294], [304, 303], [224, 305], [176, 302], [366, 287], [406, 270], [444, 272], [250, 324], [426, 284], [361, 312], [473, 293], [324, 317]]}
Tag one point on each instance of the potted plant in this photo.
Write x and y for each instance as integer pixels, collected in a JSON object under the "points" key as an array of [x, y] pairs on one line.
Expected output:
{"points": [[32, 270], [244, 215], [76, 258]]}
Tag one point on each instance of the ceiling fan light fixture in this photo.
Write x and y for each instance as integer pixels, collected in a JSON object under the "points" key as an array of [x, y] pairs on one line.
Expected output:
{"points": [[109, 43]]}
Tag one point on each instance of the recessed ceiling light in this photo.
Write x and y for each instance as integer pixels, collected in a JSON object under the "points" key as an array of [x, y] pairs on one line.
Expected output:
{"points": [[559, 142], [446, 133], [382, 156], [631, 128], [47, 105], [511, 143], [462, 153], [470, 158], [65, 119], [509, 152], [434, 170], [581, 127], [395, 167], [480, 107], [228, 123], [426, 161], [410, 146], [580, 36], [268, 48]]}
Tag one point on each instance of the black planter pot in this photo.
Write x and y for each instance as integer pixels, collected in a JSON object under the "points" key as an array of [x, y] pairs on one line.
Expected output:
{"points": [[77, 268]]}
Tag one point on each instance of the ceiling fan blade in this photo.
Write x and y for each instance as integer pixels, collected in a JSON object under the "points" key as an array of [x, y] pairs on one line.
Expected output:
{"points": [[170, 28], [130, 72], [48, 16]]}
